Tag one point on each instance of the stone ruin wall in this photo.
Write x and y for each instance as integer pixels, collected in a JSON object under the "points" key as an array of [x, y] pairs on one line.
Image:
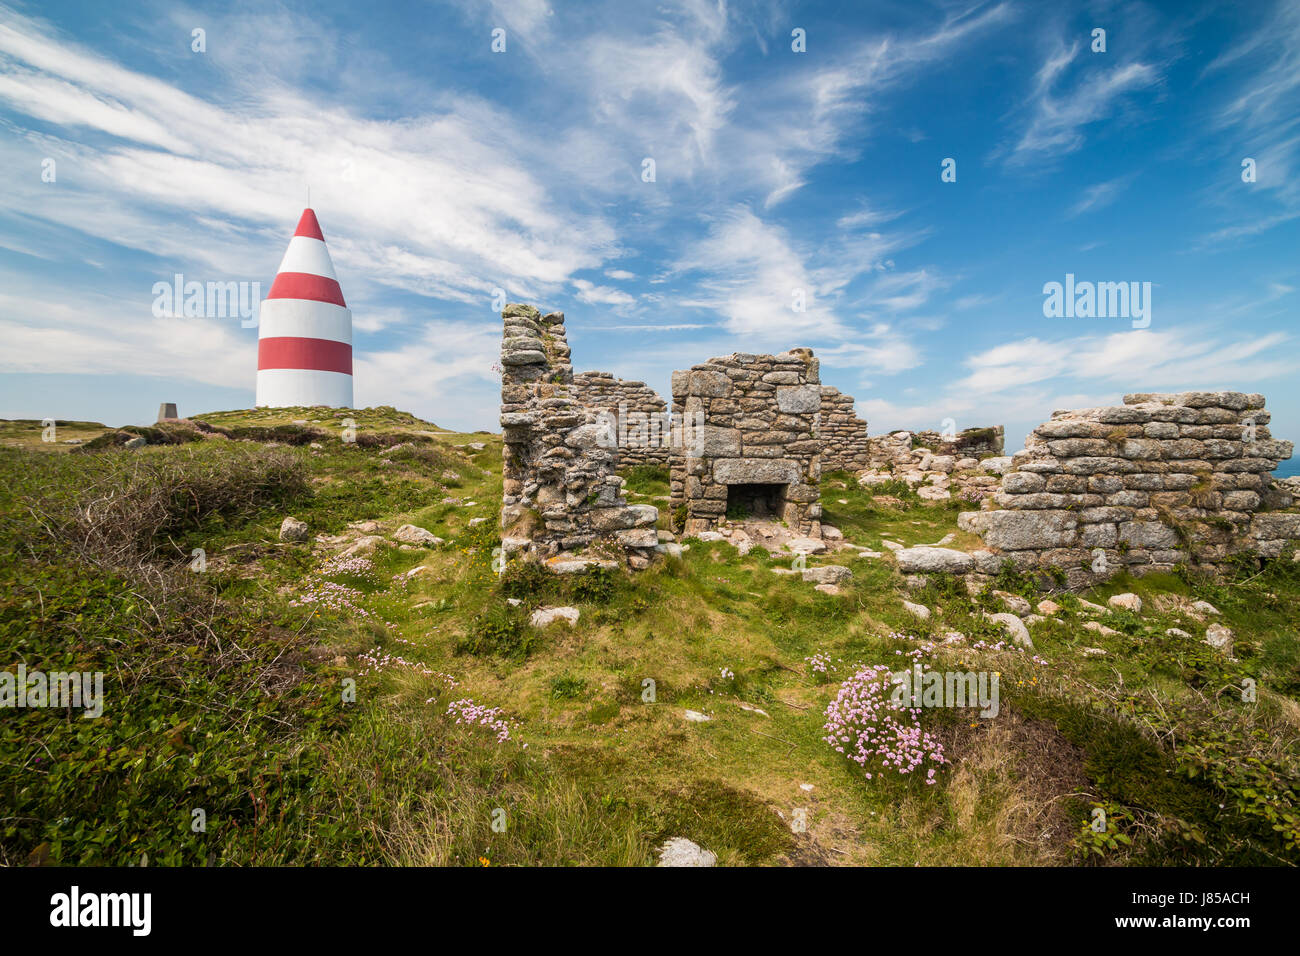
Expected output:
{"points": [[759, 425], [902, 449], [977, 443], [1162, 480], [845, 446], [561, 494], [644, 434]]}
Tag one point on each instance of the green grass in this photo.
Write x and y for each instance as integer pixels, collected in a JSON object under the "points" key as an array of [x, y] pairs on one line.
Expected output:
{"points": [[225, 695]]}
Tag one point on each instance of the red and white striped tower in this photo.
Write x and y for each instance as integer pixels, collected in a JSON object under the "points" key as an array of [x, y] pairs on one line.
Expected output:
{"points": [[304, 334]]}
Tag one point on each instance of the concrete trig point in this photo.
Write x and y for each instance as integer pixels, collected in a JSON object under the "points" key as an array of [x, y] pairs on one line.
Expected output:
{"points": [[167, 410]]}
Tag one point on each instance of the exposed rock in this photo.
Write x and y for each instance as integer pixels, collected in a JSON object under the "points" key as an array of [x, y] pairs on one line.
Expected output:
{"points": [[1126, 602], [695, 717], [828, 574], [363, 545], [291, 529], [679, 851], [411, 534], [1204, 607], [1049, 608], [1178, 632], [1013, 603], [549, 615], [919, 611], [1220, 638], [575, 564], [927, 560], [1014, 627], [807, 545]]}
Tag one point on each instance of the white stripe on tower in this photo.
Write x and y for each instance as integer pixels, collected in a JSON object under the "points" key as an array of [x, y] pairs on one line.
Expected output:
{"points": [[304, 350], [308, 254]]}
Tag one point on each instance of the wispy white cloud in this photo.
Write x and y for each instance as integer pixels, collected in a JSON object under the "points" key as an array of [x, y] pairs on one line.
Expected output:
{"points": [[1099, 195]]}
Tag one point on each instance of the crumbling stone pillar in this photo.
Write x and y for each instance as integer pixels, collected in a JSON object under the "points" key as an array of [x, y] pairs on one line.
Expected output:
{"points": [[561, 497], [845, 446]]}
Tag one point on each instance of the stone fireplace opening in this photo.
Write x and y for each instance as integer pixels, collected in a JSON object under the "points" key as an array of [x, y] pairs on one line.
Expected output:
{"points": [[755, 501]]}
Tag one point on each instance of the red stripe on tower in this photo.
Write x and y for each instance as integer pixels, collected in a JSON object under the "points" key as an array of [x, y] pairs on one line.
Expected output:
{"points": [[304, 285], [322, 355], [308, 226]]}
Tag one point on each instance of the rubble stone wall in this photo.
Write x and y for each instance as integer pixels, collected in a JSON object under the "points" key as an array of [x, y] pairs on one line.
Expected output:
{"points": [[845, 445], [1162, 480], [561, 495], [902, 448], [760, 418], [641, 416]]}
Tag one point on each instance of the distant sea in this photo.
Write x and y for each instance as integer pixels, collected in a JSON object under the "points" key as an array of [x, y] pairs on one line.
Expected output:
{"points": [[1287, 469]]}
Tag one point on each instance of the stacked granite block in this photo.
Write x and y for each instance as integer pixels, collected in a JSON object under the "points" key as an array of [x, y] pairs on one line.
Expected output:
{"points": [[1160, 481]]}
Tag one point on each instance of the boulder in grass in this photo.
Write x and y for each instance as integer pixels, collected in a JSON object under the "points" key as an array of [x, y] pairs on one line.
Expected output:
{"points": [[544, 616], [411, 534], [829, 574], [1220, 638], [1126, 602], [679, 851], [1014, 627], [291, 529]]}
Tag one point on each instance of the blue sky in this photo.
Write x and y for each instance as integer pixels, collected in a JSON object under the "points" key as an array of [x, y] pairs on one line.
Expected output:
{"points": [[441, 170]]}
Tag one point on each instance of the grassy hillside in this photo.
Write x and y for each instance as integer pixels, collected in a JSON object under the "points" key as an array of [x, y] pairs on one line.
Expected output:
{"points": [[474, 738]]}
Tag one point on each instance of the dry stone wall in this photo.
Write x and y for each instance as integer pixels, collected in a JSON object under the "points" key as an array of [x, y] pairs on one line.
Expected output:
{"points": [[1162, 480], [757, 445], [901, 450], [561, 496], [845, 446], [977, 443], [640, 416]]}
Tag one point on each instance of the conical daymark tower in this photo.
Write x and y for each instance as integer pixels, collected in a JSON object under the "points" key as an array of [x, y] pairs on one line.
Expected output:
{"points": [[304, 336]]}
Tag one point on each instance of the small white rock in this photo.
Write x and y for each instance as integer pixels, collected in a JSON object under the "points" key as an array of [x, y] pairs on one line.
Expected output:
{"points": [[1220, 638], [919, 611], [1126, 602], [680, 851], [548, 615], [1014, 627]]}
